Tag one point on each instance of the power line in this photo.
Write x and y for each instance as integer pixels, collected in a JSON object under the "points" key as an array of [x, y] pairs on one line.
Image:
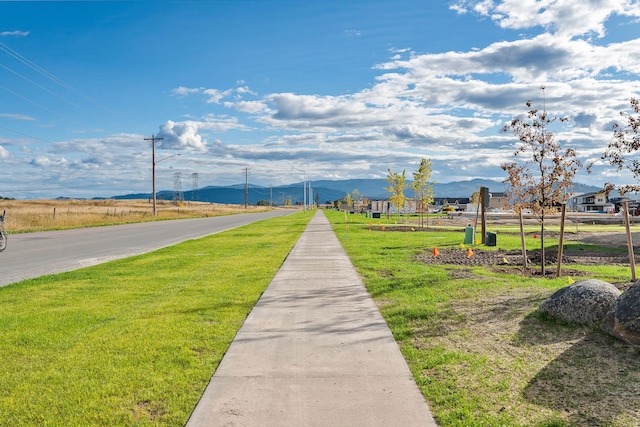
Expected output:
{"points": [[25, 134], [37, 105], [33, 66], [53, 78], [38, 85]]}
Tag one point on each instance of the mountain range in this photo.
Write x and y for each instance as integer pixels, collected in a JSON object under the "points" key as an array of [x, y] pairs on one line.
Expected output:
{"points": [[326, 191]]}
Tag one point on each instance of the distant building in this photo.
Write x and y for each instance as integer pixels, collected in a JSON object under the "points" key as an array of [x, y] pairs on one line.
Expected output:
{"points": [[459, 203], [497, 201], [596, 202], [382, 207], [632, 205]]}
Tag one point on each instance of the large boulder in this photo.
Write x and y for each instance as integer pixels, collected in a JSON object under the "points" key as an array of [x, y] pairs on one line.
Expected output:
{"points": [[623, 319], [585, 302]]}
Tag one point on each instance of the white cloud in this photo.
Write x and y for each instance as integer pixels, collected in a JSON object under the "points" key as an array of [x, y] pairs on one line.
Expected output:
{"points": [[215, 96], [184, 91], [47, 162], [567, 18], [181, 136], [542, 58], [186, 135], [17, 116], [242, 90], [251, 107], [16, 33], [4, 153]]}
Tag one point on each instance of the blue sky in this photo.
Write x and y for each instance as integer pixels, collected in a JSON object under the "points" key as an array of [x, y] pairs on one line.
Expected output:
{"points": [[339, 89]]}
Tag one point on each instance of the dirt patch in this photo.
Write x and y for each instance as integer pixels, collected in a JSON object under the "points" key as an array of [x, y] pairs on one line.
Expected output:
{"points": [[511, 261], [474, 256], [582, 376]]}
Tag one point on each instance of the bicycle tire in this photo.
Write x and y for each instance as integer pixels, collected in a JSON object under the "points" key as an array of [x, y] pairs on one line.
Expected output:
{"points": [[3, 240]]}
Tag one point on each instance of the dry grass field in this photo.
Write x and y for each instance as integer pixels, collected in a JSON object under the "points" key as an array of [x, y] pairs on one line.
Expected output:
{"points": [[38, 215]]}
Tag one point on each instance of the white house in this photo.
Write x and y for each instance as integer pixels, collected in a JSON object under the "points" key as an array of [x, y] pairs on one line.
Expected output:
{"points": [[383, 206], [592, 202]]}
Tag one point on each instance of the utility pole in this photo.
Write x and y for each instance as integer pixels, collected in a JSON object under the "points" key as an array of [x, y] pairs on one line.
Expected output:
{"points": [[304, 188], [246, 186], [153, 140]]}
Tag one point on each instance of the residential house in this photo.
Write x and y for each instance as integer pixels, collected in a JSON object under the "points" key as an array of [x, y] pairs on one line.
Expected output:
{"points": [[383, 207], [497, 201], [596, 202]]}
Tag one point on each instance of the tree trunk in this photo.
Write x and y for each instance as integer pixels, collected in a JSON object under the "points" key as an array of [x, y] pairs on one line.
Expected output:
{"points": [[525, 261], [561, 241], [542, 255], [632, 262]]}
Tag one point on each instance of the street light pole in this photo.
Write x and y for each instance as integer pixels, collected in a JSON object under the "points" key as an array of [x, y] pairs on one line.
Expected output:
{"points": [[304, 188], [153, 140]]}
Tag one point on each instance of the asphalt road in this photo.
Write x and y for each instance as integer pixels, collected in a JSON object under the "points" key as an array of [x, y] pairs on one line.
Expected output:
{"points": [[32, 255]]}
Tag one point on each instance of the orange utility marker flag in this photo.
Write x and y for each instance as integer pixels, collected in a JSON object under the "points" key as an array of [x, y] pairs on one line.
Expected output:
{"points": [[436, 252], [469, 253]]}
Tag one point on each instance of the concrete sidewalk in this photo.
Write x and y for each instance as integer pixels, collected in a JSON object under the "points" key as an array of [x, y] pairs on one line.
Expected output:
{"points": [[314, 351]]}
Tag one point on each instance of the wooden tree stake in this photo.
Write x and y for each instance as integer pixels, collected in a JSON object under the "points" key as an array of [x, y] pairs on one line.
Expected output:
{"points": [[632, 260]]}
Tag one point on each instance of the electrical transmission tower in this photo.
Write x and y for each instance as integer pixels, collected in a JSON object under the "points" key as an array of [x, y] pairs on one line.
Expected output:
{"points": [[178, 195], [194, 190]]}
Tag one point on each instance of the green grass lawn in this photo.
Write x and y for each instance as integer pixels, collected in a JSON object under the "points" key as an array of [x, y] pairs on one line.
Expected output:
{"points": [[133, 341], [478, 349]]}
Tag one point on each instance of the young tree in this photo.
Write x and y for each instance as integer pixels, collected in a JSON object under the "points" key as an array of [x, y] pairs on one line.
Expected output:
{"points": [[541, 182], [397, 185], [356, 197], [348, 201], [422, 188], [622, 151]]}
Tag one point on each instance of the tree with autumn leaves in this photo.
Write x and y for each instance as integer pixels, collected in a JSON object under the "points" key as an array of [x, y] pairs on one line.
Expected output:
{"points": [[397, 185], [541, 180], [622, 152], [423, 188]]}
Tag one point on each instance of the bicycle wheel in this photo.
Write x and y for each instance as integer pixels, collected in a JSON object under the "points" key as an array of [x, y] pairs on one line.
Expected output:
{"points": [[3, 240]]}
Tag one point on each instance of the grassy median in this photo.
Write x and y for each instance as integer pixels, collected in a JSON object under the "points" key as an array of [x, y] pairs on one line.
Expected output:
{"points": [[477, 347], [133, 341]]}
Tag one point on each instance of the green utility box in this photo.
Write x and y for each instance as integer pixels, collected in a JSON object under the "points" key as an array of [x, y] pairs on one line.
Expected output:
{"points": [[469, 235], [491, 239]]}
